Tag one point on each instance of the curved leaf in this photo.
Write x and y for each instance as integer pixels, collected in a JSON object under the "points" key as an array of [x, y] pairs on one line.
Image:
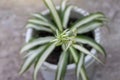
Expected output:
{"points": [[74, 54], [38, 27], [84, 73], [79, 65], [62, 65], [29, 53], [91, 42], [31, 56], [77, 60], [43, 57], [84, 50], [36, 42], [89, 27], [63, 5], [56, 17], [40, 16], [66, 16], [39, 22], [88, 19]]}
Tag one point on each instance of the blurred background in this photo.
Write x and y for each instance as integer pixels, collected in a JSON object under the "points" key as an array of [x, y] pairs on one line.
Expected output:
{"points": [[14, 15]]}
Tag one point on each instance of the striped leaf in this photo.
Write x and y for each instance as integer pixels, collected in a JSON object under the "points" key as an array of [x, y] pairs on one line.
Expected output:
{"points": [[38, 27], [68, 45], [62, 65], [36, 42], [91, 42], [88, 19], [89, 27], [56, 17], [62, 9], [84, 73], [31, 58], [74, 54], [39, 22], [43, 57], [34, 51], [79, 65], [70, 59], [63, 5], [66, 16], [40, 16], [84, 50], [77, 60]]}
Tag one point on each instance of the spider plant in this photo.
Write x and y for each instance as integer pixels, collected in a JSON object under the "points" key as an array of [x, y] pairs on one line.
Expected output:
{"points": [[37, 50]]}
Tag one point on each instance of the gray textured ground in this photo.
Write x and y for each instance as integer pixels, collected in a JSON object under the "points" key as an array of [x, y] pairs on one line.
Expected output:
{"points": [[13, 17]]}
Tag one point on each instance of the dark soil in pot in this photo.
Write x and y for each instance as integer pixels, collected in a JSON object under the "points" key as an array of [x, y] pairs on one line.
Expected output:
{"points": [[53, 58]]}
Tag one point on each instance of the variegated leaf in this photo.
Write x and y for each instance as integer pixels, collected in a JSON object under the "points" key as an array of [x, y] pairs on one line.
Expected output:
{"points": [[91, 42], [42, 58], [84, 50], [62, 65], [56, 17], [36, 42]]}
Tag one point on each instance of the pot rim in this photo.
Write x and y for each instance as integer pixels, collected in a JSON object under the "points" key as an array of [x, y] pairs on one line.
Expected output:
{"points": [[88, 59]]}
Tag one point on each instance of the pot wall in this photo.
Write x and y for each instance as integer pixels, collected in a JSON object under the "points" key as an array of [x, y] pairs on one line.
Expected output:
{"points": [[49, 74]]}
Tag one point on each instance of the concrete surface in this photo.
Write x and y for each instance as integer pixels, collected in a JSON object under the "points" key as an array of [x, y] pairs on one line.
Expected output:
{"points": [[13, 17]]}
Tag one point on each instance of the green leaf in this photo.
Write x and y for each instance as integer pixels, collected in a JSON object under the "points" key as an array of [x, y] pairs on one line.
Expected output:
{"points": [[36, 42], [88, 19], [62, 65], [84, 73], [62, 9], [42, 23], [74, 54], [31, 56], [91, 42], [38, 27], [84, 50], [68, 45], [79, 65], [77, 60], [56, 17], [63, 5], [43, 57], [89, 27], [70, 59], [66, 16], [29, 53], [40, 16]]}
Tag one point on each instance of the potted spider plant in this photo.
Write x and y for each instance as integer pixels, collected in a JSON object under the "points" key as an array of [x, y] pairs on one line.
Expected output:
{"points": [[62, 42]]}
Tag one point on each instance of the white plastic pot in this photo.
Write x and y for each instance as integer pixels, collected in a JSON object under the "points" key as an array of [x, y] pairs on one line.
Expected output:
{"points": [[48, 70]]}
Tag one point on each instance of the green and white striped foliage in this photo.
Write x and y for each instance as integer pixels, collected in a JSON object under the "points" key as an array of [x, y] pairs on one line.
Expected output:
{"points": [[37, 50]]}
